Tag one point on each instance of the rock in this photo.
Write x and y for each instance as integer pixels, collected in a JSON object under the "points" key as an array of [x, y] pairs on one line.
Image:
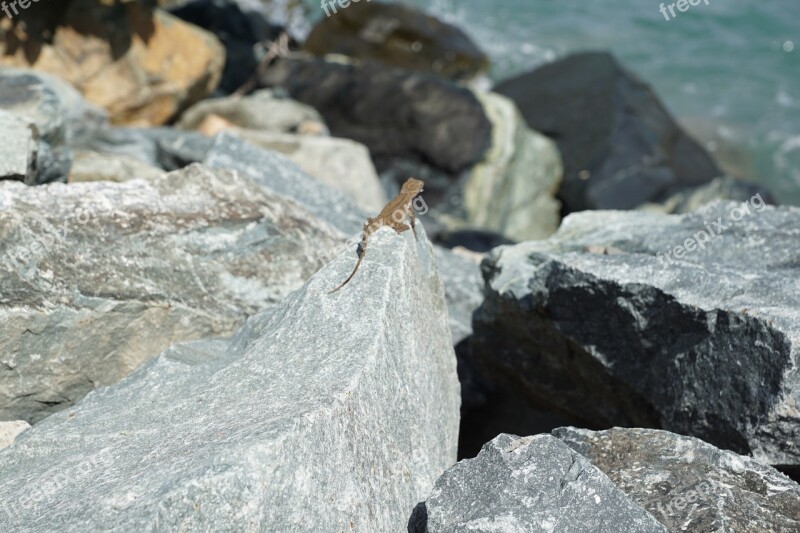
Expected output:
{"points": [[241, 28], [10, 430], [642, 319], [689, 485], [394, 113], [165, 148], [19, 144], [534, 484], [99, 277], [327, 413], [289, 14], [724, 188], [340, 163], [472, 240], [512, 190], [263, 110], [396, 35], [621, 148], [93, 166], [461, 277], [142, 65], [58, 114]]}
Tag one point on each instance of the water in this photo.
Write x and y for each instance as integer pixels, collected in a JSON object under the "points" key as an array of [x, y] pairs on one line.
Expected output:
{"points": [[731, 68]]}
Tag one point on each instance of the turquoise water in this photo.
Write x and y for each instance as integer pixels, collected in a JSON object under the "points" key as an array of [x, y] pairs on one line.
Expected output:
{"points": [[731, 68]]}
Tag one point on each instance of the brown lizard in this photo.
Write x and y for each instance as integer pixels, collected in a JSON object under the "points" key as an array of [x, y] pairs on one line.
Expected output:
{"points": [[392, 216]]}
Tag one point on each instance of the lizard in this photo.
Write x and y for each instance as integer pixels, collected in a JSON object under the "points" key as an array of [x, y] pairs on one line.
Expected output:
{"points": [[392, 215]]}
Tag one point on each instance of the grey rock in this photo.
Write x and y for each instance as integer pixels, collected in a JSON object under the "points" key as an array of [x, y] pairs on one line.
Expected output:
{"points": [[284, 177], [529, 484], [624, 319], [393, 112], [340, 163], [19, 144], [10, 430], [723, 188], [621, 148], [512, 190], [331, 413], [97, 278], [59, 111], [461, 277], [263, 110], [166, 148], [689, 485], [93, 166]]}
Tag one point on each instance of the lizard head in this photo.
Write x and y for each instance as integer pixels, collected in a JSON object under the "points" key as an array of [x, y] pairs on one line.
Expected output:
{"points": [[412, 187]]}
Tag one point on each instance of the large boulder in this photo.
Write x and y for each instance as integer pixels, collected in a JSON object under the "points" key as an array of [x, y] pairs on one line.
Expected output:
{"points": [[10, 430], [511, 191], [326, 413], [621, 147], [461, 276], [686, 322], [396, 35], [54, 116], [142, 65], [689, 485], [19, 146], [243, 29], [263, 110], [97, 278], [340, 163], [531, 484], [396, 114]]}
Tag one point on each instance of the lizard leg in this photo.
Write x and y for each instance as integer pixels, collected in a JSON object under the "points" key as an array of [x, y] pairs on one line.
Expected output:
{"points": [[400, 228]]}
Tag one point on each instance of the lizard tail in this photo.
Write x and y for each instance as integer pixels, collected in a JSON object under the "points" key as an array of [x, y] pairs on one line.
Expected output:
{"points": [[360, 258]]}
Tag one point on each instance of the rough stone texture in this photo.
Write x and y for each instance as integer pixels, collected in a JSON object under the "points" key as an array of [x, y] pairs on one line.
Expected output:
{"points": [[599, 323], [531, 484], [340, 163], [19, 143], [10, 430], [461, 276], [397, 35], [140, 64], [327, 413], [621, 148], [96, 278], [93, 166], [263, 110], [512, 191], [689, 485], [394, 113]]}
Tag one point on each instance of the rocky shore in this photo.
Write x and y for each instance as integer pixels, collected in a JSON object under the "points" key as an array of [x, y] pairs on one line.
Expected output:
{"points": [[591, 328]]}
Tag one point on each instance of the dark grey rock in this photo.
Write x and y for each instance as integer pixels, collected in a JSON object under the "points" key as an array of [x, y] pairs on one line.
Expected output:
{"points": [[529, 484], [621, 148], [689, 485], [393, 112], [238, 28], [330, 413], [96, 278], [603, 322], [397, 35]]}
